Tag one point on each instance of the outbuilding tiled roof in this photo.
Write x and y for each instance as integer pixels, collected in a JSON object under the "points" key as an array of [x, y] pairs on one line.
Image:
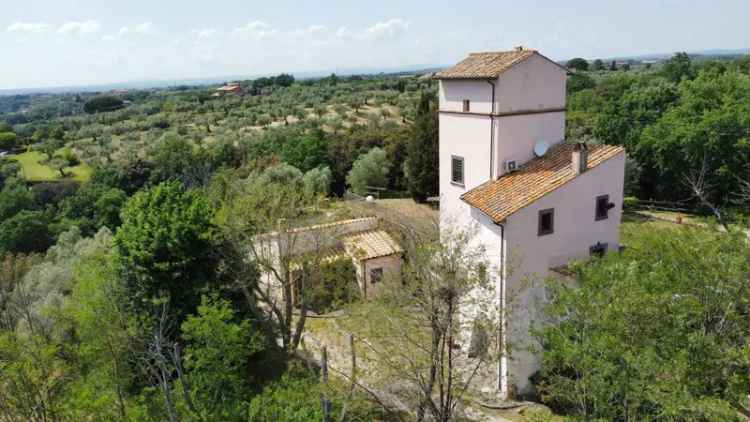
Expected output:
{"points": [[371, 244], [487, 65], [500, 198]]}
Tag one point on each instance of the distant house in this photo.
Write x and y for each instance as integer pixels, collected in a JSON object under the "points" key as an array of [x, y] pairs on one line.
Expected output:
{"points": [[119, 92], [537, 201], [232, 88]]}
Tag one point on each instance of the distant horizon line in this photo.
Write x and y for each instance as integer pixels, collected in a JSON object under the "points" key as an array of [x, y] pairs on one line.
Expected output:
{"points": [[154, 83]]}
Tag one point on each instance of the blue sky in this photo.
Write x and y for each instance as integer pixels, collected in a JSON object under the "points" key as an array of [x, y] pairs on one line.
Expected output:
{"points": [[59, 42]]}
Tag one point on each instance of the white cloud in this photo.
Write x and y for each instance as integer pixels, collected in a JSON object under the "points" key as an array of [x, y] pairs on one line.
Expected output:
{"points": [[27, 27], [257, 29], [392, 28], [316, 29], [343, 32], [144, 28], [85, 27], [109, 38], [205, 33], [255, 26]]}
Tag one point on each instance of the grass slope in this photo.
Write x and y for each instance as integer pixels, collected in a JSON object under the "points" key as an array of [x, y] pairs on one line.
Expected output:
{"points": [[34, 171]]}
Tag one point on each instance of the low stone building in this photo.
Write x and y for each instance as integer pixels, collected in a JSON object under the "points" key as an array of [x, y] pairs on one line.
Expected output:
{"points": [[375, 255]]}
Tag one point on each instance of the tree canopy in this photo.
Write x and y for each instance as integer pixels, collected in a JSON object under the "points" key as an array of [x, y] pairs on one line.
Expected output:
{"points": [[659, 331]]}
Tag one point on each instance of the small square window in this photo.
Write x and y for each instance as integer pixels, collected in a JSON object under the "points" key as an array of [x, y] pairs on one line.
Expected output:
{"points": [[546, 221], [376, 275], [457, 170], [467, 106], [602, 207]]}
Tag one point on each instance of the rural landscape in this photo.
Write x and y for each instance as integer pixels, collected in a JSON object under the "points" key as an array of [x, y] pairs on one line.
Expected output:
{"points": [[276, 248]]}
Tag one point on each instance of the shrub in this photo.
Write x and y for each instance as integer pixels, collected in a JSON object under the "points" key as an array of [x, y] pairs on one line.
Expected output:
{"points": [[337, 286], [656, 332], [8, 140], [630, 202], [370, 169], [103, 103]]}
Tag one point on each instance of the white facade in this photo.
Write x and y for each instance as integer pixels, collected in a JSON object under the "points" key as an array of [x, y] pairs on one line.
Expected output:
{"points": [[528, 107]]}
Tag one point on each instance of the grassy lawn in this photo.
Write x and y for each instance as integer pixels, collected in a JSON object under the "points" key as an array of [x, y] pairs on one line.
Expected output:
{"points": [[33, 170]]}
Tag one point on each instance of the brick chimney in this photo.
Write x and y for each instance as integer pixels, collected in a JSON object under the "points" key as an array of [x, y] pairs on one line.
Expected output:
{"points": [[580, 157]]}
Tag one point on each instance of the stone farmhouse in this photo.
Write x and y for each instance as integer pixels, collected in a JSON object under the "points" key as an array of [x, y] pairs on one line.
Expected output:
{"points": [[537, 201], [372, 251]]}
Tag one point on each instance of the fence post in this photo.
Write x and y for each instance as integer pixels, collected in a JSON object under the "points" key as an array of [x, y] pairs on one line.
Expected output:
{"points": [[325, 404]]}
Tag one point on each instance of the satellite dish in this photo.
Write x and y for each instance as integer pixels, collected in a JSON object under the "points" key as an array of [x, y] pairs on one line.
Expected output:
{"points": [[540, 148]]}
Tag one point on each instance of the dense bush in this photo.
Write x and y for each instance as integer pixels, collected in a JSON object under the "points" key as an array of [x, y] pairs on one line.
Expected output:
{"points": [[685, 119], [657, 332], [369, 170], [166, 247], [103, 103], [337, 286]]}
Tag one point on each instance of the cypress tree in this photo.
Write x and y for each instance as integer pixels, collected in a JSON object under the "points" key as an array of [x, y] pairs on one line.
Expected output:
{"points": [[421, 166]]}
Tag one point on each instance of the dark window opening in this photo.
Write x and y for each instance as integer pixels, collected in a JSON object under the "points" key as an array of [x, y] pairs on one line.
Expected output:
{"points": [[546, 221], [376, 275], [467, 106], [457, 170], [602, 207]]}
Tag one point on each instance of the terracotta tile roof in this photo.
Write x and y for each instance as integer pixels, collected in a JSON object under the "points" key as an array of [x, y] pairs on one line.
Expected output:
{"points": [[371, 244], [487, 65], [512, 191]]}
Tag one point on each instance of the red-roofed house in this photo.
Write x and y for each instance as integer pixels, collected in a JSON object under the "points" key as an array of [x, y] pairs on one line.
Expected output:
{"points": [[537, 201]]}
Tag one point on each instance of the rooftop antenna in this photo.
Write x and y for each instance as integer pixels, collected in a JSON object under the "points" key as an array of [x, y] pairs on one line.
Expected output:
{"points": [[541, 148]]}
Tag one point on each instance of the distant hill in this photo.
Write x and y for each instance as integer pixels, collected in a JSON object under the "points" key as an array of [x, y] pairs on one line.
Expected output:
{"points": [[401, 70], [664, 56], [166, 83]]}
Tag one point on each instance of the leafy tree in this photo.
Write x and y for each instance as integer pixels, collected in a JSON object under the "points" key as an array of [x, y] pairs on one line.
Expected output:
{"points": [[217, 352], [337, 286], [261, 217], [25, 232], [421, 166], [106, 335], [306, 152], [291, 399], [413, 321], [579, 82], [94, 205], [317, 181], [165, 247], [678, 67], [282, 174], [613, 66], [8, 140], [598, 65], [656, 332], [370, 169], [320, 110], [35, 377], [103, 103], [177, 159], [14, 197], [706, 127], [578, 64], [284, 80], [9, 169], [108, 207]]}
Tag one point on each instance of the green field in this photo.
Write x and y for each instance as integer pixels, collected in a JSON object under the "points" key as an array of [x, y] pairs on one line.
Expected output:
{"points": [[34, 171]]}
